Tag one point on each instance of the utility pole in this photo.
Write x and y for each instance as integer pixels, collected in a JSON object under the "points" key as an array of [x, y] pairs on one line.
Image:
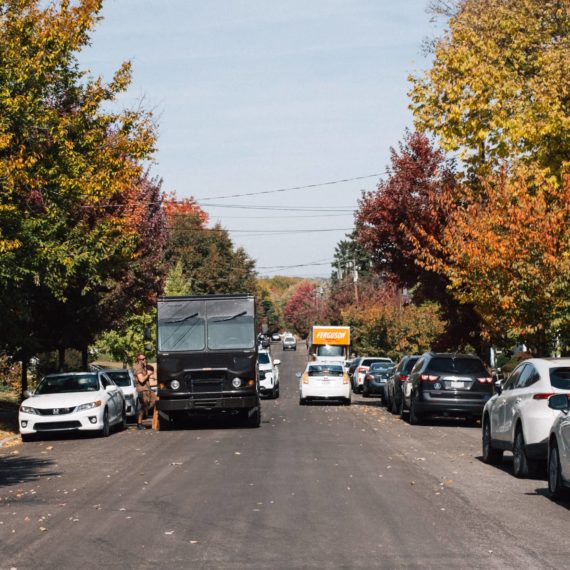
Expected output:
{"points": [[355, 280]]}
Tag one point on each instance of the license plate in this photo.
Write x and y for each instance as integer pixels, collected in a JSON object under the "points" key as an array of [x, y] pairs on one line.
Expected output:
{"points": [[457, 384]]}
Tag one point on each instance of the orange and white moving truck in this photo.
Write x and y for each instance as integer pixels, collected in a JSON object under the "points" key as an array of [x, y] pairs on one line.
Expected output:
{"points": [[329, 343]]}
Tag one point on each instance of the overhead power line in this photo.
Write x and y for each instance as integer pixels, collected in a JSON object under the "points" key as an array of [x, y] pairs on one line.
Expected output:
{"points": [[305, 187]]}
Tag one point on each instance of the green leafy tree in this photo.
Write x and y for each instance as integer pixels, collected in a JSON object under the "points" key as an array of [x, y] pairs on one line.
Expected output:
{"points": [[498, 86]]}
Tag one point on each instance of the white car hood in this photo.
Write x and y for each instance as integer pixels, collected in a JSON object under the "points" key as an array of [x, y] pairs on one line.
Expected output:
{"points": [[48, 401]]}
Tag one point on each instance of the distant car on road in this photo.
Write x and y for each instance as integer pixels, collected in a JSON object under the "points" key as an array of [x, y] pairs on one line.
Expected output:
{"points": [[360, 367], [268, 374], [72, 401], [289, 342], [275, 337], [376, 377], [321, 381], [519, 418]]}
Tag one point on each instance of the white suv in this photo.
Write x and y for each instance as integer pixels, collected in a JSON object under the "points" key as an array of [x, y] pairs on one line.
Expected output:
{"points": [[268, 374], [518, 418]]}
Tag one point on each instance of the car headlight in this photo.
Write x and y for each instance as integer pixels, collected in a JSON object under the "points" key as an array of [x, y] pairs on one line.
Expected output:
{"points": [[88, 406], [29, 410]]}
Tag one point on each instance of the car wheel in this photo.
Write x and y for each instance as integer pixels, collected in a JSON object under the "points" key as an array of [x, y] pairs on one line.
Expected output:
{"points": [[522, 466], [415, 418], [123, 423], [106, 430], [491, 456], [386, 400], [401, 409], [555, 488], [347, 402], [365, 391], [27, 437], [274, 393], [393, 406], [302, 402]]}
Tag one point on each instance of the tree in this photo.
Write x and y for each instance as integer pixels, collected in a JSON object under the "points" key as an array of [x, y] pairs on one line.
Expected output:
{"points": [[301, 312], [498, 86], [206, 257], [507, 252], [71, 176]]}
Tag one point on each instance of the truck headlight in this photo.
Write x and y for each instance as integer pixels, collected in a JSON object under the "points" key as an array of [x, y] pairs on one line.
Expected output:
{"points": [[236, 382], [174, 385]]}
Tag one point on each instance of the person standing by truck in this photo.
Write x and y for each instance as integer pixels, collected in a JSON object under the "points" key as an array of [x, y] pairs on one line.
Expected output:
{"points": [[147, 397]]}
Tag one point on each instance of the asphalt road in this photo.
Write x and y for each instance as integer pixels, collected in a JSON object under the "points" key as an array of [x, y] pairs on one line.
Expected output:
{"points": [[320, 486]]}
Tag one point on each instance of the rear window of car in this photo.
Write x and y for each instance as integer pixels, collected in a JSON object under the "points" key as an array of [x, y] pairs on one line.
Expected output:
{"points": [[380, 366], [325, 370], [560, 378], [457, 366], [369, 361]]}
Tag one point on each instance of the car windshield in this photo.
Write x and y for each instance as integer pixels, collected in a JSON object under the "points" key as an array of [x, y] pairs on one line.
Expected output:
{"points": [[120, 377], [263, 358], [63, 384], [325, 370], [457, 366], [330, 350], [369, 361], [380, 366], [560, 378]]}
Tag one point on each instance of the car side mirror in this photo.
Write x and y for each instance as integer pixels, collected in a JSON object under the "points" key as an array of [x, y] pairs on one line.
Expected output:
{"points": [[498, 386], [28, 393], [559, 402], [298, 375], [110, 388], [277, 362]]}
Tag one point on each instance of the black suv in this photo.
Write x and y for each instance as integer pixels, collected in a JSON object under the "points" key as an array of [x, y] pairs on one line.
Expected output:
{"points": [[448, 385]]}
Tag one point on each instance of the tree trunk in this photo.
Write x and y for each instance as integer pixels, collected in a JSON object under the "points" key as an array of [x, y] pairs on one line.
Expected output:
{"points": [[24, 372], [84, 358], [60, 358]]}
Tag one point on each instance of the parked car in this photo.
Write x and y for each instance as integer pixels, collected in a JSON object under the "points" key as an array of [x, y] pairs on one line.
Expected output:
{"points": [[125, 379], [289, 342], [360, 367], [397, 385], [559, 448], [268, 374], [72, 401], [321, 381], [443, 384], [519, 419], [376, 377]]}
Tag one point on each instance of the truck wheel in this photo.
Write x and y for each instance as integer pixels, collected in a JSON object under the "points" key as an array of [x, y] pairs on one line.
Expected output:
{"points": [[253, 420]]}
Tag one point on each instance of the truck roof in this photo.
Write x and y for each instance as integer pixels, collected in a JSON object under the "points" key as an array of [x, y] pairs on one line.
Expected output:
{"points": [[206, 297]]}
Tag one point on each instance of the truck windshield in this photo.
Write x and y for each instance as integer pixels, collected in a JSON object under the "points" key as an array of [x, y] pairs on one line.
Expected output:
{"points": [[330, 350], [181, 326], [230, 324]]}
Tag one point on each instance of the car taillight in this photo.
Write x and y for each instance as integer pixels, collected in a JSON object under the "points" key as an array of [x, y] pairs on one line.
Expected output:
{"points": [[485, 380], [369, 377], [428, 377], [542, 395], [362, 370], [403, 377], [305, 378], [345, 378]]}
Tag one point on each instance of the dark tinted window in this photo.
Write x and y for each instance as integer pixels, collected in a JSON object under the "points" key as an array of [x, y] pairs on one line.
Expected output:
{"points": [[560, 378], [513, 378], [528, 377], [369, 361], [380, 366], [263, 358], [457, 365], [409, 364]]}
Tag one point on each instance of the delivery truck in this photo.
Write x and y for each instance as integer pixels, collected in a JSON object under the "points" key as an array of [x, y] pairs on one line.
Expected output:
{"points": [[207, 358], [329, 343]]}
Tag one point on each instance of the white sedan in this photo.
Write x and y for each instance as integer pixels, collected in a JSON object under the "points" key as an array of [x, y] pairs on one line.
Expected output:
{"points": [[268, 374], [73, 401], [124, 378], [519, 419], [322, 381]]}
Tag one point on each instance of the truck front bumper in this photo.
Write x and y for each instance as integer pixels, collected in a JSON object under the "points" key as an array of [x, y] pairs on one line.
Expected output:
{"points": [[204, 403]]}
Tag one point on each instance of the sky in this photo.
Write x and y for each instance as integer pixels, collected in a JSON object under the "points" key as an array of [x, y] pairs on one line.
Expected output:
{"points": [[296, 102]]}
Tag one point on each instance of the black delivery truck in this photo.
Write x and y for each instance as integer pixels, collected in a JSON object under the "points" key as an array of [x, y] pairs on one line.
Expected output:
{"points": [[207, 358]]}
